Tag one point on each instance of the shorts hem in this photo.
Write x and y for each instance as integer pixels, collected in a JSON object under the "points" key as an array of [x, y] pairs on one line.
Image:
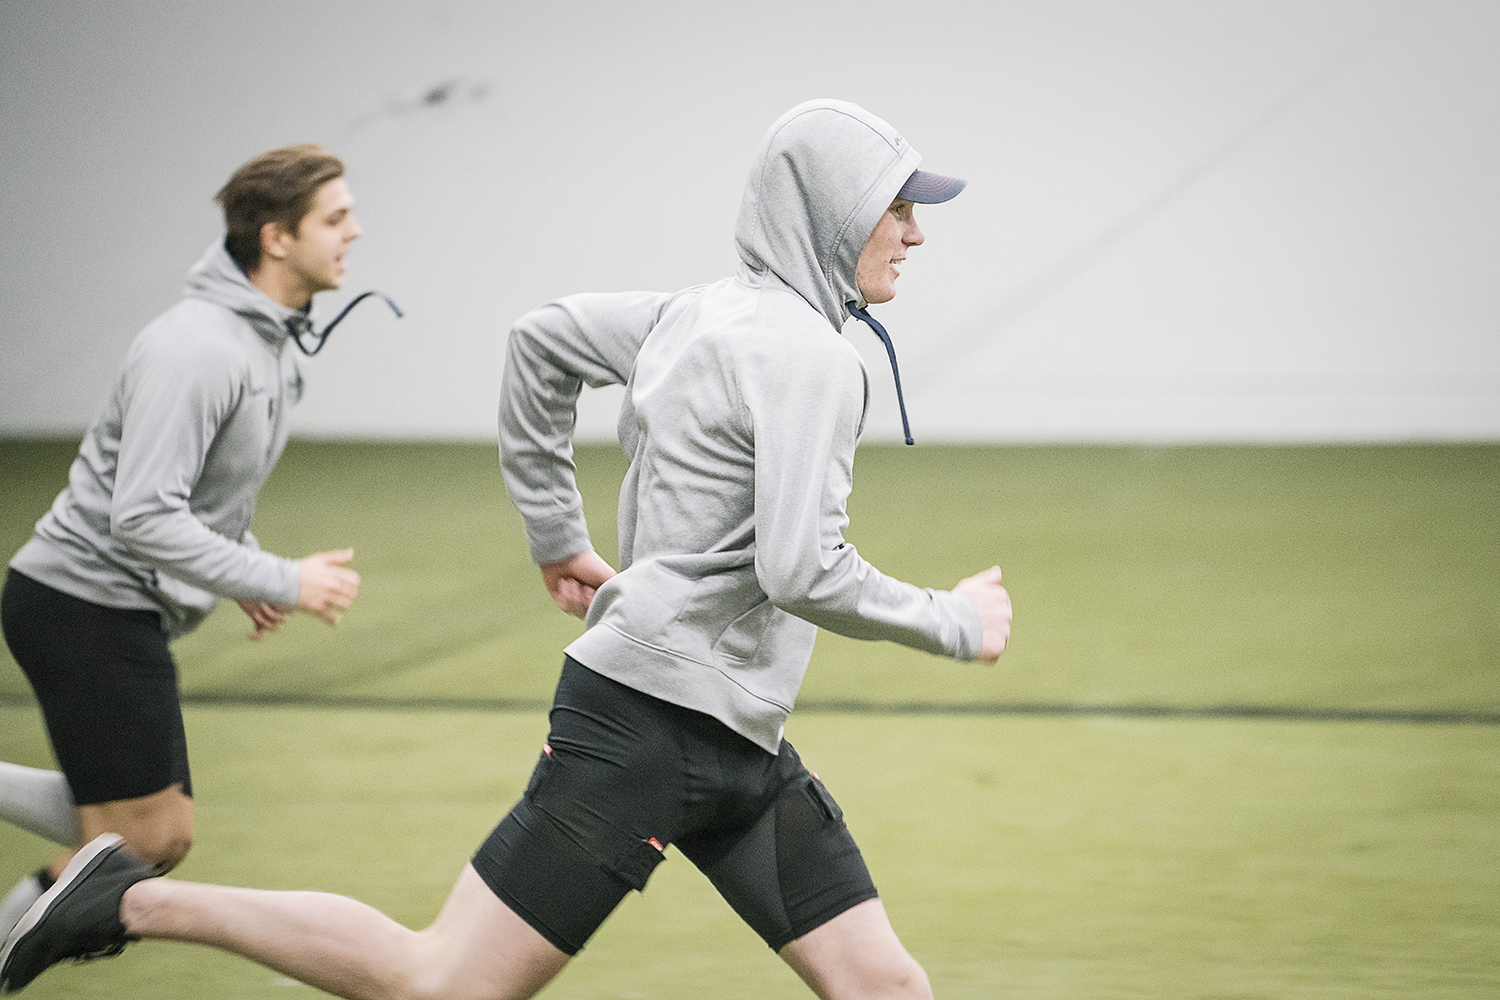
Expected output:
{"points": [[535, 922], [532, 920], [99, 797], [813, 923]]}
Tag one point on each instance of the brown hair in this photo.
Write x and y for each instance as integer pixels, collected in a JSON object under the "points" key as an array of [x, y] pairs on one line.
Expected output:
{"points": [[279, 187]]}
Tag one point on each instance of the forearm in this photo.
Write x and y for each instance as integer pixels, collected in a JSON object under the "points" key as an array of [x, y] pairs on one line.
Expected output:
{"points": [[173, 418], [183, 547], [552, 353], [845, 594], [537, 406]]}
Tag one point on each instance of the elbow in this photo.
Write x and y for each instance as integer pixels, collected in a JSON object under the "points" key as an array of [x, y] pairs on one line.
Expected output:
{"points": [[789, 590], [526, 336], [814, 585], [128, 527], [780, 589], [138, 526], [791, 600]]}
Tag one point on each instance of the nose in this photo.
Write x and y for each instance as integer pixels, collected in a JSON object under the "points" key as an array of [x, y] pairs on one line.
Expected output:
{"points": [[354, 227], [913, 236]]}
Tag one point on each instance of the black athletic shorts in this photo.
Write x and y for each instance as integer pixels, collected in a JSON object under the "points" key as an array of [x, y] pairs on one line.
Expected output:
{"points": [[623, 775], [107, 685]]}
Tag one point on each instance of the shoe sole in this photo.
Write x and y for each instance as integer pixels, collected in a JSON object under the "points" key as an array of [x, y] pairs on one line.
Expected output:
{"points": [[84, 862]]}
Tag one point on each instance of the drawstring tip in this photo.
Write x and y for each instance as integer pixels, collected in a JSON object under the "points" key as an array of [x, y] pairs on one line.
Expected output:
{"points": [[890, 350]]}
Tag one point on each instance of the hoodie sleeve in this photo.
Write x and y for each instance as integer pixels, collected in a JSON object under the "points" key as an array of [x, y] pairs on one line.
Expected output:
{"points": [[174, 404], [553, 351], [807, 419]]}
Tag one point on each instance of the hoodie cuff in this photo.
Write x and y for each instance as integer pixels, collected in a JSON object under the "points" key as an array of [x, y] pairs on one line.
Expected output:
{"points": [[289, 582], [963, 632], [555, 540]]}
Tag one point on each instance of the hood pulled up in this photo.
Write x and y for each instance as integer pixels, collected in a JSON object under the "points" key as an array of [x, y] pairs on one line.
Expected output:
{"points": [[823, 174]]}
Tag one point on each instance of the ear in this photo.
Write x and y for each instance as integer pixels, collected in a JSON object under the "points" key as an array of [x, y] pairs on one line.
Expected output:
{"points": [[274, 240]]}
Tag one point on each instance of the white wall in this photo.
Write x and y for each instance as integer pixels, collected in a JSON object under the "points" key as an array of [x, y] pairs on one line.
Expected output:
{"points": [[1186, 220]]}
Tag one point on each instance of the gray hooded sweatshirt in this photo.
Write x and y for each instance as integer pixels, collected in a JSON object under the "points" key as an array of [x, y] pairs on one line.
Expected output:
{"points": [[743, 407], [156, 514]]}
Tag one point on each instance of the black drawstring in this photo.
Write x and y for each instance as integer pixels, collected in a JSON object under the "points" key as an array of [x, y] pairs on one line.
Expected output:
{"points": [[294, 328], [890, 349]]}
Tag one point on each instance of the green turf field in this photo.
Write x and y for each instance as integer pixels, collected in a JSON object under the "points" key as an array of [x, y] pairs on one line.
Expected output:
{"points": [[1283, 835]]}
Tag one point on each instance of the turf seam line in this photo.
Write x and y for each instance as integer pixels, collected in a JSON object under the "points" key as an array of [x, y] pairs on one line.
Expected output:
{"points": [[1147, 711], [1287, 713]]}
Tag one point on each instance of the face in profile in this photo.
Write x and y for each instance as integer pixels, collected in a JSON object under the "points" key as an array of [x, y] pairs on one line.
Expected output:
{"points": [[879, 262], [315, 254]]}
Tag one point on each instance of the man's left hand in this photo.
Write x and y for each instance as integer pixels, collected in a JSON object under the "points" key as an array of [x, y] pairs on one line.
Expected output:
{"points": [[573, 581]]}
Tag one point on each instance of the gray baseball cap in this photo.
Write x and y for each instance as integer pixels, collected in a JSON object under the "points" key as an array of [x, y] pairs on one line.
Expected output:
{"points": [[927, 188]]}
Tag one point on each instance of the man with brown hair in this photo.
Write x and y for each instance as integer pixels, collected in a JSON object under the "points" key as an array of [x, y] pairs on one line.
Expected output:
{"points": [[154, 524]]}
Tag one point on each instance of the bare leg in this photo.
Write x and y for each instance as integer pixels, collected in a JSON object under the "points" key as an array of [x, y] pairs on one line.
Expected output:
{"points": [[158, 827], [856, 956], [478, 947]]}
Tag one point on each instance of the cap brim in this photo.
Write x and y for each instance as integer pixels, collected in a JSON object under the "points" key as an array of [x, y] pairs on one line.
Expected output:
{"points": [[926, 188]]}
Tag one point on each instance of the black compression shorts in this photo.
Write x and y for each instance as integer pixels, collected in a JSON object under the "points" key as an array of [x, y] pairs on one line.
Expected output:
{"points": [[623, 775], [107, 685]]}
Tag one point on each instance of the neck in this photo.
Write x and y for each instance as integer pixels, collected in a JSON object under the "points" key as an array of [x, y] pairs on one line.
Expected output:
{"points": [[280, 285]]}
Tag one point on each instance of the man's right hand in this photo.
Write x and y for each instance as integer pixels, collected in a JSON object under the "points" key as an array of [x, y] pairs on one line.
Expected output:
{"points": [[328, 586], [986, 594]]}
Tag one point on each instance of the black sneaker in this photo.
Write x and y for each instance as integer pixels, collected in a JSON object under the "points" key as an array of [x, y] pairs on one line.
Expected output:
{"points": [[78, 918]]}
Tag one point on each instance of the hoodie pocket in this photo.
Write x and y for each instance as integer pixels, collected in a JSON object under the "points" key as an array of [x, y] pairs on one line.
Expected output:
{"points": [[742, 638]]}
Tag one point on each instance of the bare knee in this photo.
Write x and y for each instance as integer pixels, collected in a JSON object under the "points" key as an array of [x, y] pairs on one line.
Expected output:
{"points": [[856, 956], [435, 979], [165, 849], [900, 978], [478, 948], [158, 827], [435, 969], [161, 844], [912, 982], [425, 975]]}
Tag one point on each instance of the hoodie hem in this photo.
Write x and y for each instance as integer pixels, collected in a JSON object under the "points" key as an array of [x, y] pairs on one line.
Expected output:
{"points": [[683, 681]]}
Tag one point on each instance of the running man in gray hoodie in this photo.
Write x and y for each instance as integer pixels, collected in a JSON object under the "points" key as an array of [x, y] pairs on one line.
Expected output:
{"points": [[154, 524], [743, 407]]}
